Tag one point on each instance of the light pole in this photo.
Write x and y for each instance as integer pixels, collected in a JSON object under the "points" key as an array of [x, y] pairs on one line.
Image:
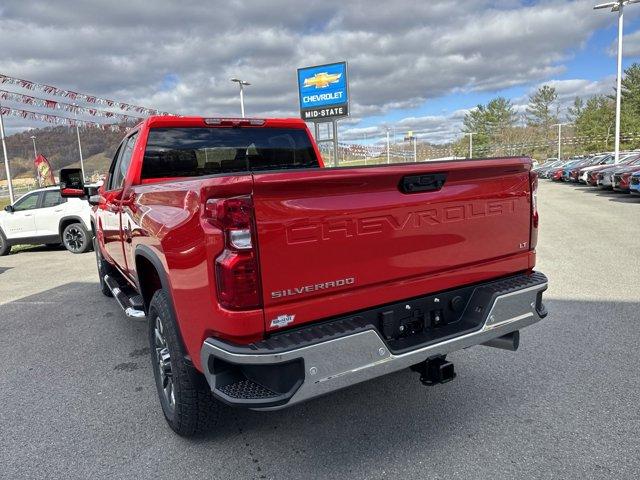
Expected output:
{"points": [[618, 6], [559, 125], [35, 150], [241, 83], [387, 145], [6, 158], [471, 134]]}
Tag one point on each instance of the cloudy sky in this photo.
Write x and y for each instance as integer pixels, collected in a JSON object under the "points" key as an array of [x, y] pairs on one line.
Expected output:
{"points": [[414, 65]]}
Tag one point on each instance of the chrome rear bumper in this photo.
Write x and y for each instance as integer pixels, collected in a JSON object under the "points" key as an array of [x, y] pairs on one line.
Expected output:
{"points": [[338, 363]]}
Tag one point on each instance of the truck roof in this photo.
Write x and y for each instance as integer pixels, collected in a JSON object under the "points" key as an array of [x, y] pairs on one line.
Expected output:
{"points": [[167, 121]]}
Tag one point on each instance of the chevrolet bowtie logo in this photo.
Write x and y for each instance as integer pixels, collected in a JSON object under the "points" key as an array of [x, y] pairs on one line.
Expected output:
{"points": [[322, 80]]}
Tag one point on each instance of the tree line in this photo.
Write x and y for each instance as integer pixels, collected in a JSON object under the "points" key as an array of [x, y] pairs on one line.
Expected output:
{"points": [[498, 129]]}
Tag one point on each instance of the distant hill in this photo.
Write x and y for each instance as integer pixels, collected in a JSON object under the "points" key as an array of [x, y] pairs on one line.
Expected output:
{"points": [[60, 146]]}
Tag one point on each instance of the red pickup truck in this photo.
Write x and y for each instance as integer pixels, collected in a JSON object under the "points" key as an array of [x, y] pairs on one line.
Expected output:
{"points": [[267, 280]]}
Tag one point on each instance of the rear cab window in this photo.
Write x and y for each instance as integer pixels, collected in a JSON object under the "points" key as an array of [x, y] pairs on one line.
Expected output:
{"points": [[198, 151]]}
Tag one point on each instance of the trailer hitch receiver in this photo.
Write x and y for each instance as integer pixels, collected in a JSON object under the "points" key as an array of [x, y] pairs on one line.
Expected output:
{"points": [[435, 370]]}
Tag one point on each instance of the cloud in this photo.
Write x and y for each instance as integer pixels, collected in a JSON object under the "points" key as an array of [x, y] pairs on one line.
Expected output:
{"points": [[630, 45], [431, 128], [400, 54], [440, 129]]}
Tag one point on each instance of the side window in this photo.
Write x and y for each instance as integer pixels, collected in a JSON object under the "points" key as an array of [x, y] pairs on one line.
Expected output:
{"points": [[122, 164], [28, 202], [52, 198], [112, 167]]}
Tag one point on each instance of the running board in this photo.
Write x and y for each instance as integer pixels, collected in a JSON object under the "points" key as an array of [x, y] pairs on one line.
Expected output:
{"points": [[133, 306]]}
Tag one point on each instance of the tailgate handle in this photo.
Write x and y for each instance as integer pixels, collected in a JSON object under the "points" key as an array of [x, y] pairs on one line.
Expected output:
{"points": [[423, 183]]}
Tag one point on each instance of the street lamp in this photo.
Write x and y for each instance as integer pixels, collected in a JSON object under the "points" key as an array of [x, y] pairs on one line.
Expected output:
{"points": [[241, 83], [618, 6], [559, 125], [6, 159], [35, 151]]}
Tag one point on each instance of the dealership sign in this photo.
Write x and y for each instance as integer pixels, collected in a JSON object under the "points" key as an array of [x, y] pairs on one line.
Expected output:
{"points": [[323, 92]]}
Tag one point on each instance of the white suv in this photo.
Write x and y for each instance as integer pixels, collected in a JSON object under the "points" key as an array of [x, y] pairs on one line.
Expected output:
{"points": [[44, 217]]}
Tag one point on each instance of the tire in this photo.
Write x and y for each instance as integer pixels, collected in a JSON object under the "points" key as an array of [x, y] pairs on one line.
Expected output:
{"points": [[104, 268], [5, 248], [75, 238], [184, 394]]}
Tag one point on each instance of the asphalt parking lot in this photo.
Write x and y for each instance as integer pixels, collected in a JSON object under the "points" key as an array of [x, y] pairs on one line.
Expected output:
{"points": [[77, 398]]}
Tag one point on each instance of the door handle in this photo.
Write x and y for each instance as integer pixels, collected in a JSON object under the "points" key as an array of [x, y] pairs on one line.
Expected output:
{"points": [[422, 183]]}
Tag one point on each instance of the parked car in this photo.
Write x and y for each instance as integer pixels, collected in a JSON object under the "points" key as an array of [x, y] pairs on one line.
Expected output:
{"points": [[634, 184], [44, 217], [268, 280], [567, 168], [621, 181], [598, 161], [544, 169], [592, 174], [574, 172], [605, 176], [557, 174]]}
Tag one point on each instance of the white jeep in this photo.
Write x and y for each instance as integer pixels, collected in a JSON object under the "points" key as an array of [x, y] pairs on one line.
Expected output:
{"points": [[43, 217]]}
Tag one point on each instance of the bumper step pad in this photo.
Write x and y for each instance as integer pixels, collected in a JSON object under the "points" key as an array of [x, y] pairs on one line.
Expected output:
{"points": [[247, 389]]}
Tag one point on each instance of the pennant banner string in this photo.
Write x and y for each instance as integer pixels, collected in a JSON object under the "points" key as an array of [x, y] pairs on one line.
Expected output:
{"points": [[58, 120], [81, 97], [67, 107]]}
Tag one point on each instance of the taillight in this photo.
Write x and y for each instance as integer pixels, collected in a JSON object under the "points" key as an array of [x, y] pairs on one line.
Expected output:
{"points": [[533, 180], [237, 272]]}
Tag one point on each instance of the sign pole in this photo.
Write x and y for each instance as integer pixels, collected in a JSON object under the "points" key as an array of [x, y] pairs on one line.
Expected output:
{"points": [[6, 158], [335, 143]]}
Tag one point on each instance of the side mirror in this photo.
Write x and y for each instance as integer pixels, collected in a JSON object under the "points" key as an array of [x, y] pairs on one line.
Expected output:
{"points": [[9, 208], [71, 183]]}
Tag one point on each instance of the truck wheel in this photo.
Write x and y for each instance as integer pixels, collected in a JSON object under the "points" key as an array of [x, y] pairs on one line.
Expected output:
{"points": [[5, 248], [104, 268], [185, 397], [76, 238]]}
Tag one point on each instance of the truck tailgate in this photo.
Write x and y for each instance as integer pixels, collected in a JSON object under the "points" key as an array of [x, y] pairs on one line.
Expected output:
{"points": [[328, 236]]}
